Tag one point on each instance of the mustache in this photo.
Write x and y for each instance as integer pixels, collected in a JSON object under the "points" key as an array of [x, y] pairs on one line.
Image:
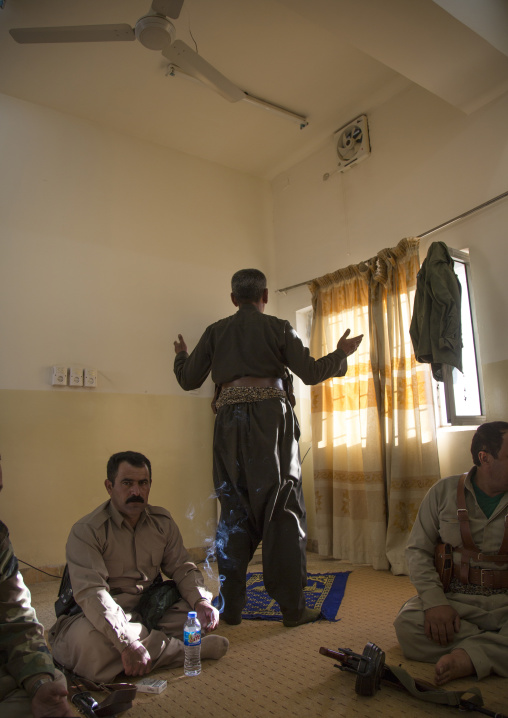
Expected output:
{"points": [[135, 500]]}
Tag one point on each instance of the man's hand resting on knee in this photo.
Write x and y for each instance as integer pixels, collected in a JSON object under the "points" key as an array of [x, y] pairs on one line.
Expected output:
{"points": [[441, 624], [136, 660], [208, 615], [51, 700]]}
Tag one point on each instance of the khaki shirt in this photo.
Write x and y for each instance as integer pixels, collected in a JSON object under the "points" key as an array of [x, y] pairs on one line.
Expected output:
{"points": [[111, 563], [251, 343], [437, 522]]}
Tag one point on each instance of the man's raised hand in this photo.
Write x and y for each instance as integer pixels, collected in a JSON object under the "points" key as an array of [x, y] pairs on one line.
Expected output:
{"points": [[180, 345], [349, 346]]}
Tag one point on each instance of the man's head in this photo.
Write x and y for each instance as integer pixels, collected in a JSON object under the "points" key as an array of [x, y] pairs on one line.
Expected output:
{"points": [[489, 449], [248, 286], [128, 484], [488, 438]]}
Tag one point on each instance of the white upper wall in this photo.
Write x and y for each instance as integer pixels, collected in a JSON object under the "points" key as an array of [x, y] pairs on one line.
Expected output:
{"points": [[429, 163], [110, 246]]}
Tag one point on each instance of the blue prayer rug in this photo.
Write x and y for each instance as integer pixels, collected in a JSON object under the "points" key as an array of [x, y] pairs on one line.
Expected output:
{"points": [[323, 590]]}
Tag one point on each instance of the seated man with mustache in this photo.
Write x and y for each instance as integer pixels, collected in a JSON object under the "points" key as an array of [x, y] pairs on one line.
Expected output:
{"points": [[113, 556]]}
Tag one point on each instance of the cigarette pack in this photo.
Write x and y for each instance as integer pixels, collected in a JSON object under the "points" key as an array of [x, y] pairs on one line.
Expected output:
{"points": [[151, 685]]}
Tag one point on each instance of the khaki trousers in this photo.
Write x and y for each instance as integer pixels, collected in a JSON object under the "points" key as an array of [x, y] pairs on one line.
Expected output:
{"points": [[483, 632], [78, 646]]}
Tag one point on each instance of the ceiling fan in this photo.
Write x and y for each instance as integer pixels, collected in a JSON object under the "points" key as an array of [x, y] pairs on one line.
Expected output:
{"points": [[154, 31]]}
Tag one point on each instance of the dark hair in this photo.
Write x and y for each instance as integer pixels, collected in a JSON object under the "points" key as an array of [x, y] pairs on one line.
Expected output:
{"points": [[248, 285], [133, 458], [489, 438]]}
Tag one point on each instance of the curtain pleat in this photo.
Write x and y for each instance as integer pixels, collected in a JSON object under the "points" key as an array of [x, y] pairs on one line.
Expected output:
{"points": [[373, 430]]}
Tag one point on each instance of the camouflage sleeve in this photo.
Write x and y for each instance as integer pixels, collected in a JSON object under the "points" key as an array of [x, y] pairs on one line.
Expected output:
{"points": [[23, 649]]}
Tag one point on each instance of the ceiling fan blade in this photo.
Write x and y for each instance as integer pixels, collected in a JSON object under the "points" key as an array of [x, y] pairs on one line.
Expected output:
{"points": [[77, 33], [189, 61], [168, 8]]}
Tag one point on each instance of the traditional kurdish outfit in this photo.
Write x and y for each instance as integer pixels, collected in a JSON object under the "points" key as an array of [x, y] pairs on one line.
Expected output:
{"points": [[256, 460]]}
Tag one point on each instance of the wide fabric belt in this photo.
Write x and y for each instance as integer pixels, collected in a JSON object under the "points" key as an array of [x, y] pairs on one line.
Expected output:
{"points": [[484, 577], [256, 381], [248, 395]]}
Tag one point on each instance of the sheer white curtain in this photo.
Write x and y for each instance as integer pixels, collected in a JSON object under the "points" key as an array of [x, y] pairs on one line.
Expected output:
{"points": [[373, 431]]}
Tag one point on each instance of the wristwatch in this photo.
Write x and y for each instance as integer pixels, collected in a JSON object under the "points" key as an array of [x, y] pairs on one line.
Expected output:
{"points": [[38, 683]]}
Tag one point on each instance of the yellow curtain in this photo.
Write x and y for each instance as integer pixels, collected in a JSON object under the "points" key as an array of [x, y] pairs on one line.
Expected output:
{"points": [[373, 431]]}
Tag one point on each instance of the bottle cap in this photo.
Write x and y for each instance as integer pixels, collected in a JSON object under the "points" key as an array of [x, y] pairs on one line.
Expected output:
{"points": [[192, 614]]}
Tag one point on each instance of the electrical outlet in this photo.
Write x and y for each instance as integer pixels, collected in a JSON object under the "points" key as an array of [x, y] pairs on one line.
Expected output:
{"points": [[90, 378], [59, 376], [76, 376]]}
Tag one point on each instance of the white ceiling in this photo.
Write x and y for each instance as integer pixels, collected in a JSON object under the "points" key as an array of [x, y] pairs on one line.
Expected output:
{"points": [[329, 60]]}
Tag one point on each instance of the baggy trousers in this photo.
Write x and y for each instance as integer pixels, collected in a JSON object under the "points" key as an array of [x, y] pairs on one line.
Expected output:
{"points": [[483, 633], [81, 648], [257, 479]]}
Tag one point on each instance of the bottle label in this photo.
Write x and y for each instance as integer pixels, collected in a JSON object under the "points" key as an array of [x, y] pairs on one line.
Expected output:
{"points": [[192, 638]]}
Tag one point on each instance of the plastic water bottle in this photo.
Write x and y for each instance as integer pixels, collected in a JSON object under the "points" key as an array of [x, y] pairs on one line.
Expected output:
{"points": [[192, 642]]}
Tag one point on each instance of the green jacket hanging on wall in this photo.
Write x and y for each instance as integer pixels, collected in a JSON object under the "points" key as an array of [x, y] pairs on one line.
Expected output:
{"points": [[436, 323]]}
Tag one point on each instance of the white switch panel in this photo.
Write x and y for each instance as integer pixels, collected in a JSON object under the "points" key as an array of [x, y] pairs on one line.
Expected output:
{"points": [[76, 376], [90, 378], [59, 376]]}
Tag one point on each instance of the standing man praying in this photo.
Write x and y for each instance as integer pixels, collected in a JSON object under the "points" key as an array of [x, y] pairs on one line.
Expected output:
{"points": [[256, 459]]}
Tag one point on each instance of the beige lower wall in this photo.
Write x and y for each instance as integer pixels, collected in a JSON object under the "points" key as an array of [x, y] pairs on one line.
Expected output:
{"points": [[55, 446]]}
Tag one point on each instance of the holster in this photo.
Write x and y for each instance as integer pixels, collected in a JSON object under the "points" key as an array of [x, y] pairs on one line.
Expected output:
{"points": [[218, 388], [65, 603], [287, 382], [443, 561]]}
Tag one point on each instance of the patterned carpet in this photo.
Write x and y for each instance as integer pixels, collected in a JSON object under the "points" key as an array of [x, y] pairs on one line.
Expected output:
{"points": [[273, 671]]}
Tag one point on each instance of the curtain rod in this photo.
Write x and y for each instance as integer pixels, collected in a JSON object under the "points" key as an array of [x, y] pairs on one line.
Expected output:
{"points": [[425, 234]]}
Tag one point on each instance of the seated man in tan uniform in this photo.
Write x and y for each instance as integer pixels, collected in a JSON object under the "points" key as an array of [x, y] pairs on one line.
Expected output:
{"points": [[462, 625], [113, 555]]}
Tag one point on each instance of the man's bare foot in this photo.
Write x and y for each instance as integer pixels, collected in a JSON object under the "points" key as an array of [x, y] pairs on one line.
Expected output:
{"points": [[456, 664]]}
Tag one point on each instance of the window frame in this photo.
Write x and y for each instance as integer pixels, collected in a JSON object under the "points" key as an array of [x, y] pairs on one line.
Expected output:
{"points": [[452, 417]]}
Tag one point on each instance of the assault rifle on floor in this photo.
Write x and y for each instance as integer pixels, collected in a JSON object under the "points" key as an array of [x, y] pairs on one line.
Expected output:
{"points": [[371, 671]]}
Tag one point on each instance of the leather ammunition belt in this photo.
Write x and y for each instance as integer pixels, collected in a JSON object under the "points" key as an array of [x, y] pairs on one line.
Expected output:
{"points": [[485, 580], [484, 577], [248, 394]]}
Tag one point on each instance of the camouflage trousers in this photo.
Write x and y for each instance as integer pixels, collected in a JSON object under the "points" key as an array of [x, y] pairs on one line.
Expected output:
{"points": [[15, 702]]}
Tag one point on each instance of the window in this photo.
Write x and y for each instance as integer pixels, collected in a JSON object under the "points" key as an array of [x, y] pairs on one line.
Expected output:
{"points": [[459, 399]]}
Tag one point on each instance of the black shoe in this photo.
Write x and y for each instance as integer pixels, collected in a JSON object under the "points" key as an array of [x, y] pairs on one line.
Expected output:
{"points": [[231, 618], [308, 616]]}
